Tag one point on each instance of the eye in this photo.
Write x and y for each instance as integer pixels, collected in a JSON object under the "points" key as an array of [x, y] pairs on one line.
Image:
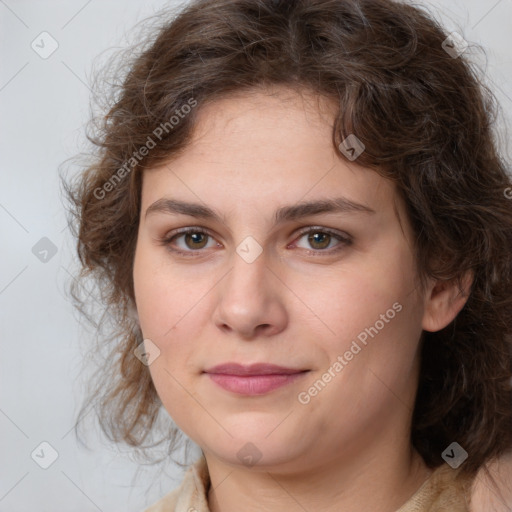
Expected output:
{"points": [[323, 240], [192, 240]]}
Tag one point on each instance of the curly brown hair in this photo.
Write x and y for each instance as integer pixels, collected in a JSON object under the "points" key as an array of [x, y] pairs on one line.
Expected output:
{"points": [[426, 119]]}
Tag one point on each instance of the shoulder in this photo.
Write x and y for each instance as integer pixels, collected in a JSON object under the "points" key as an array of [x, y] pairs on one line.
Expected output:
{"points": [[492, 489], [191, 495], [165, 504], [445, 489]]}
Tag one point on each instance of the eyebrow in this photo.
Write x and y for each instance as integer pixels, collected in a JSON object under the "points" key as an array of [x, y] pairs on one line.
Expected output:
{"points": [[285, 213]]}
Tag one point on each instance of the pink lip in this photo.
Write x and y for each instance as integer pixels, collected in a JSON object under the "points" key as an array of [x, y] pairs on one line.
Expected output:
{"points": [[255, 379]]}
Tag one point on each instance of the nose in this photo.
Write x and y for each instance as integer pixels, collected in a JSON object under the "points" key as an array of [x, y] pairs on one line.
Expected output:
{"points": [[250, 300]]}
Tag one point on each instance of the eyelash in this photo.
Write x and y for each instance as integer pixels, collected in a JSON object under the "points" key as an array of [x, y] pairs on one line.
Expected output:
{"points": [[344, 240]]}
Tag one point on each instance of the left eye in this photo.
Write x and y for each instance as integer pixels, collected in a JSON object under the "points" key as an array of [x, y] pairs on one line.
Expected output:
{"points": [[321, 240]]}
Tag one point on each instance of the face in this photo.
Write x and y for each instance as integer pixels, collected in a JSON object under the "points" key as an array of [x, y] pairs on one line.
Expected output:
{"points": [[260, 278]]}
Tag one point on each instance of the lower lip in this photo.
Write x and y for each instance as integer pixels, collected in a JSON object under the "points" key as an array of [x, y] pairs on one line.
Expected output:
{"points": [[253, 384]]}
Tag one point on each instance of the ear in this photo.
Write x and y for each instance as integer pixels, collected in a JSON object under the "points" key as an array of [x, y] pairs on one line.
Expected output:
{"points": [[444, 300]]}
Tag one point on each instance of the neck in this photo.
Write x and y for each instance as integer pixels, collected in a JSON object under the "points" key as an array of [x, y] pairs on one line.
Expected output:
{"points": [[380, 484]]}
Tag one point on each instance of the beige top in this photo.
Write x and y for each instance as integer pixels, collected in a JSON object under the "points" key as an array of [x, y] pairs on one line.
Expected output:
{"points": [[440, 493]]}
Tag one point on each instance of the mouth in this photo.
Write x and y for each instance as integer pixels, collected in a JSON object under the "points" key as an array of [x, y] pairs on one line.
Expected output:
{"points": [[252, 369], [255, 379]]}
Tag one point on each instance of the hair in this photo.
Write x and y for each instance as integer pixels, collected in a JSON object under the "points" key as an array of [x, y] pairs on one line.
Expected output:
{"points": [[426, 120]]}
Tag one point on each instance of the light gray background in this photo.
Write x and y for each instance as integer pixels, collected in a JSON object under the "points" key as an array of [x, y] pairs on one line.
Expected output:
{"points": [[44, 105]]}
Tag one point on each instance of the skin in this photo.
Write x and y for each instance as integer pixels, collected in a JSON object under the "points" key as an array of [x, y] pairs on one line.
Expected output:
{"points": [[494, 494], [295, 305]]}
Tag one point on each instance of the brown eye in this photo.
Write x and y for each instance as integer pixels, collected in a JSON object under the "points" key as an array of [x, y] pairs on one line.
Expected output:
{"points": [[319, 240], [187, 241], [322, 241], [195, 240]]}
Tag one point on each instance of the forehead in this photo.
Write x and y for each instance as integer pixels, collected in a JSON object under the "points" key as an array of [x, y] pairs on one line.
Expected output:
{"points": [[266, 147], [271, 115]]}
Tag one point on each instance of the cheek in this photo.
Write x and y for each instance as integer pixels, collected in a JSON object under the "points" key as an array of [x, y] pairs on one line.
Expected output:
{"points": [[353, 299], [375, 313], [165, 309], [172, 312], [164, 296]]}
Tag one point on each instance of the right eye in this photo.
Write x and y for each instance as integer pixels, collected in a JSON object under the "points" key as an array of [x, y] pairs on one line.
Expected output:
{"points": [[193, 240]]}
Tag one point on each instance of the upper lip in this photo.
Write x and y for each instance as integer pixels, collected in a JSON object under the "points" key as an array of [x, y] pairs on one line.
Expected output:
{"points": [[252, 369]]}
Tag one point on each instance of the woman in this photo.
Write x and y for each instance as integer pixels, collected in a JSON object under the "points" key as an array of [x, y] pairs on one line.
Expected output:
{"points": [[300, 221]]}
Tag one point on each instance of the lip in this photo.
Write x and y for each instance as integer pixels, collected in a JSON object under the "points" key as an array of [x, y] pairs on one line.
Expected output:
{"points": [[254, 379], [252, 369]]}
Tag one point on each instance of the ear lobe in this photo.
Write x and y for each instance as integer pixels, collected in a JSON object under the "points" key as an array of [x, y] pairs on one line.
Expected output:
{"points": [[444, 300]]}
